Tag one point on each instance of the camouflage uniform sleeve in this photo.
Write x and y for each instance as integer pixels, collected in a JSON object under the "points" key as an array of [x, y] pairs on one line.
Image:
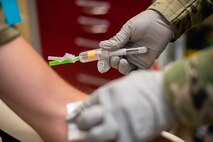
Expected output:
{"points": [[183, 14], [189, 88], [7, 33]]}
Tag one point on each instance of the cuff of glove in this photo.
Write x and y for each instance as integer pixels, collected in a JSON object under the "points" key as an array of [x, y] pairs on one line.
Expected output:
{"points": [[8, 33], [177, 12]]}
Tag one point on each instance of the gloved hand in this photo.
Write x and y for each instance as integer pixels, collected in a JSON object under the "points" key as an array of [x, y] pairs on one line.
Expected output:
{"points": [[131, 109], [147, 29]]}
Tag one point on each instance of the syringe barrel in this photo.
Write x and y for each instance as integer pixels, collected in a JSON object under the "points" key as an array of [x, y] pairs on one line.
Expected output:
{"points": [[93, 55]]}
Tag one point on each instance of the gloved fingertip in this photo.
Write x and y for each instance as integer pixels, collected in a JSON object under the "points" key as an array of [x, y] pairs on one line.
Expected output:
{"points": [[114, 61], [125, 67], [102, 71], [106, 44], [90, 118], [80, 123], [117, 41], [103, 43], [103, 66]]}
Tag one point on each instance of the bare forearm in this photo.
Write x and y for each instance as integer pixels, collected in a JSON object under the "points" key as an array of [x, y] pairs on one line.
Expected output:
{"points": [[34, 91]]}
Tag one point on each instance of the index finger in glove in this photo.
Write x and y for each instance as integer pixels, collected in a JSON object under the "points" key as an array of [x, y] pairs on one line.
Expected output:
{"points": [[108, 131], [119, 40], [125, 67], [104, 65], [90, 117], [114, 61]]}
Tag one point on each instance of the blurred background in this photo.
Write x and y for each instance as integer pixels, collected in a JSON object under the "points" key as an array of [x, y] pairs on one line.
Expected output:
{"points": [[72, 26]]}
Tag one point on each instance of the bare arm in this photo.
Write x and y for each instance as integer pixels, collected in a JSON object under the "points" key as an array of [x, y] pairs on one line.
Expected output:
{"points": [[34, 91]]}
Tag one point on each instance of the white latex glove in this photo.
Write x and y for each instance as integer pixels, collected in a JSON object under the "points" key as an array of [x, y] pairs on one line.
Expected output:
{"points": [[147, 29], [131, 109]]}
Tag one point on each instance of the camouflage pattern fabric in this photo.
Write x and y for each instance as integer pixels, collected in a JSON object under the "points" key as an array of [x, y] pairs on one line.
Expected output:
{"points": [[7, 33], [183, 14], [189, 87], [189, 83]]}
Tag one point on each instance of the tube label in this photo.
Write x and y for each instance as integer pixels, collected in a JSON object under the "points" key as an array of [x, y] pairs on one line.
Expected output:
{"points": [[92, 55]]}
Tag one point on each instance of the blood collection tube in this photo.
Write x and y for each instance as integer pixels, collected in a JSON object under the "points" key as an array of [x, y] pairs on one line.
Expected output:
{"points": [[99, 54], [93, 55]]}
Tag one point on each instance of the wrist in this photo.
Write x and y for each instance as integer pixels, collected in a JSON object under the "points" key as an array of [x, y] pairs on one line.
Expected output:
{"points": [[179, 13], [163, 19], [160, 115]]}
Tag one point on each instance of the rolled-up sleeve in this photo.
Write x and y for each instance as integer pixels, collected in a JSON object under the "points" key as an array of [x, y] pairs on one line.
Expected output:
{"points": [[183, 14]]}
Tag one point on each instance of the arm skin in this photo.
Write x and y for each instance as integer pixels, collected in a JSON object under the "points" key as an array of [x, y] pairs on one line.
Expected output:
{"points": [[34, 91]]}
